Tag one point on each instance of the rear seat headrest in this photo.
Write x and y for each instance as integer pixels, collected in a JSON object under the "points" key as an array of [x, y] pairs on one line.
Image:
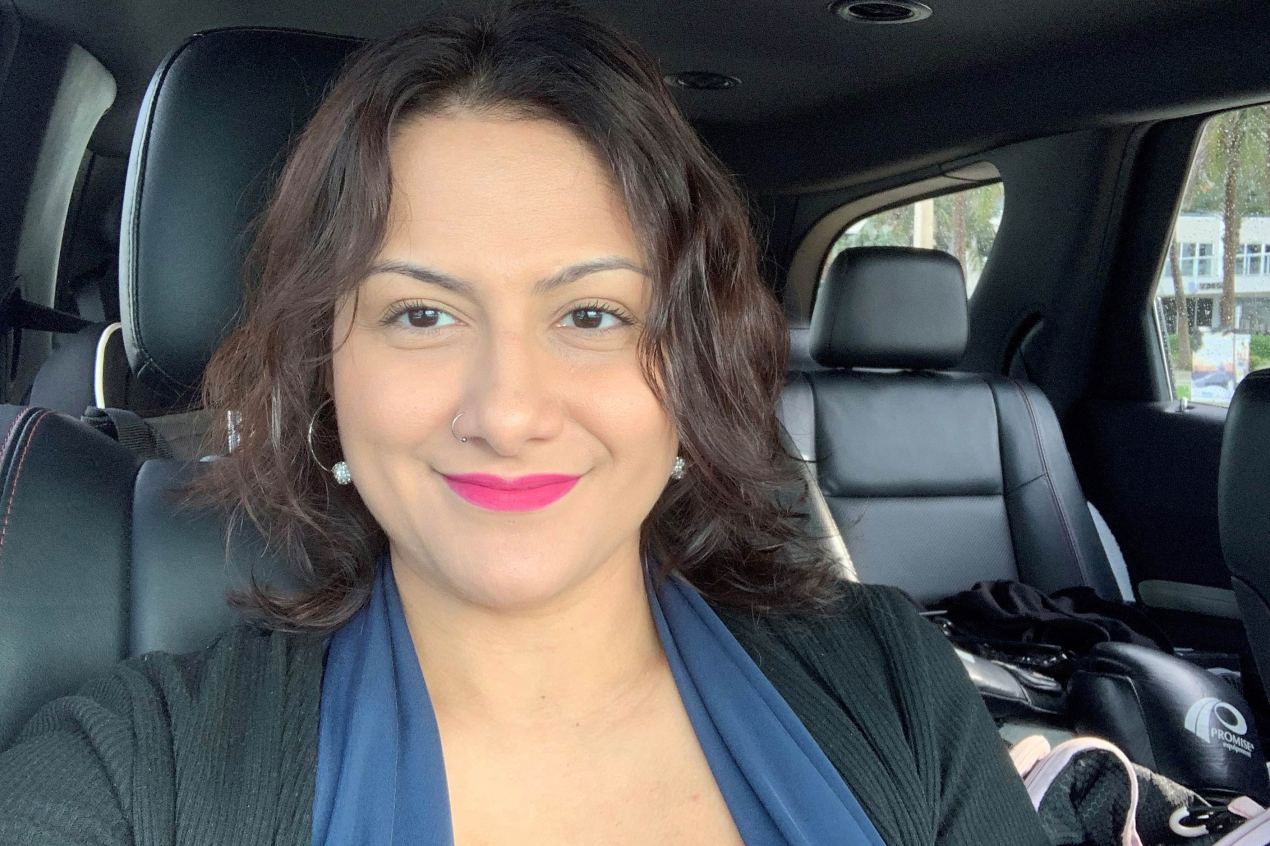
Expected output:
{"points": [[213, 131], [898, 307]]}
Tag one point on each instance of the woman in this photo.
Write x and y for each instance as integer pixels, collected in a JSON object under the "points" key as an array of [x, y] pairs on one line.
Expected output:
{"points": [[505, 405]]}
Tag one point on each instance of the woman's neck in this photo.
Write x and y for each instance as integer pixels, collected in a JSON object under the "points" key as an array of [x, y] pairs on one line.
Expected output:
{"points": [[588, 658]]}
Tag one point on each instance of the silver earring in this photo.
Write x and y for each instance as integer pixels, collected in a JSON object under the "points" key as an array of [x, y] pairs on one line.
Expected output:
{"points": [[342, 474], [462, 439], [678, 468], [339, 470]]}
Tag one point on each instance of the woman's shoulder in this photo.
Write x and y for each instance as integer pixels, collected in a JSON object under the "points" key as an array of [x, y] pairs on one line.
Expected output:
{"points": [[884, 694], [867, 657], [247, 682], [172, 698], [863, 621], [228, 724], [870, 651], [240, 658], [243, 654]]}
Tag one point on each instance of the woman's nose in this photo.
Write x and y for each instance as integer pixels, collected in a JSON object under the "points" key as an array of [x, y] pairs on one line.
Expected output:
{"points": [[512, 396]]}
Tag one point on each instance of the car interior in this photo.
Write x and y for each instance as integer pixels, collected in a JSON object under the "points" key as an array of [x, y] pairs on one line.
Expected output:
{"points": [[1016, 244]]}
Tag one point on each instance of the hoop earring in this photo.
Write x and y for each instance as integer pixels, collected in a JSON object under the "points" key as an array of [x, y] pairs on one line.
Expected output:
{"points": [[340, 469], [462, 439]]}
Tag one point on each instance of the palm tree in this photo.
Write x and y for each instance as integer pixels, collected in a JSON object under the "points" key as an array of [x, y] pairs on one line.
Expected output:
{"points": [[1230, 146], [1182, 318], [958, 225]]}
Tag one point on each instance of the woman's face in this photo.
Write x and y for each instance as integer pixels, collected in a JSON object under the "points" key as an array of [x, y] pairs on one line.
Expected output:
{"points": [[509, 288]]}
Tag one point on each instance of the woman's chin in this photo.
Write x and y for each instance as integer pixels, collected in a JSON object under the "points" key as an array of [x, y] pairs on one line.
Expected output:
{"points": [[522, 585]]}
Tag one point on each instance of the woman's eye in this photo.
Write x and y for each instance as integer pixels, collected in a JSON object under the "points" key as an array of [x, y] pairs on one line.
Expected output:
{"points": [[423, 318], [427, 318], [593, 318]]}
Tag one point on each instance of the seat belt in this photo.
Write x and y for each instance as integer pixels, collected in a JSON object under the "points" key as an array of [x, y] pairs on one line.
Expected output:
{"points": [[130, 430], [1115, 557], [143, 438]]}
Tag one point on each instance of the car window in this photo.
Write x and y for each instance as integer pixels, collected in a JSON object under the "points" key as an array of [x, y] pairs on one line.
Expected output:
{"points": [[1213, 295], [963, 223]]}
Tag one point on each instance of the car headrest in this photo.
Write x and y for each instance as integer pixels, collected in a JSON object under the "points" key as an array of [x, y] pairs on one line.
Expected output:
{"points": [[898, 307], [213, 131]]}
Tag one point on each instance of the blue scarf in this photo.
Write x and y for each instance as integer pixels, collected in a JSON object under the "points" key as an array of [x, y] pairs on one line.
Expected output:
{"points": [[381, 778]]}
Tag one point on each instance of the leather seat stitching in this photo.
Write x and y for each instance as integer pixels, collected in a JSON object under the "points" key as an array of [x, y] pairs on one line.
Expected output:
{"points": [[17, 476], [13, 428]]}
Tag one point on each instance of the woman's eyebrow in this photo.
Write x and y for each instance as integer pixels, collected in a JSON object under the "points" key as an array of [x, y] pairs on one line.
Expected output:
{"points": [[564, 276]]}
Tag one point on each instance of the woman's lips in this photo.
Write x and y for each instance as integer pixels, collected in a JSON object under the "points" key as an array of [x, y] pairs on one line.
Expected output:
{"points": [[523, 493]]}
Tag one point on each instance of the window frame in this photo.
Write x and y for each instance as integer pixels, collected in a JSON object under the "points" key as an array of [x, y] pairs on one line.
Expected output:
{"points": [[963, 188], [807, 264]]}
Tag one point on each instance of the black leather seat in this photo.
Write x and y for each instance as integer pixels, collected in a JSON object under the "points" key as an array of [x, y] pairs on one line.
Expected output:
{"points": [[98, 559], [1242, 515], [936, 480], [212, 132]]}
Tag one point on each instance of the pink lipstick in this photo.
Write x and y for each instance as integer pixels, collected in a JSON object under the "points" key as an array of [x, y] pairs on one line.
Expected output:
{"points": [[523, 493]]}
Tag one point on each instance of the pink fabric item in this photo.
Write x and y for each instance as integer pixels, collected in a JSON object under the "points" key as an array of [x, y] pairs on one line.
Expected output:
{"points": [[1255, 832], [1027, 752], [1042, 775], [1039, 765]]}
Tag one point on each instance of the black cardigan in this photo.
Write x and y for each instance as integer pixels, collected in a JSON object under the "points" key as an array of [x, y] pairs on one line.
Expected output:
{"points": [[220, 746]]}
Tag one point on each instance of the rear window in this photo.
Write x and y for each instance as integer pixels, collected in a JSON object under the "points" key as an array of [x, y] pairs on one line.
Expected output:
{"points": [[963, 223]]}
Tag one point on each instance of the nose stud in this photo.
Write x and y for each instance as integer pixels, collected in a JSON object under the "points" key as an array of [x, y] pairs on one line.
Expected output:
{"points": [[461, 440]]}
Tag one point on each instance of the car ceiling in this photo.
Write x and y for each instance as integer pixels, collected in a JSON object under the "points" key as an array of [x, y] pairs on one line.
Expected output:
{"points": [[822, 101]]}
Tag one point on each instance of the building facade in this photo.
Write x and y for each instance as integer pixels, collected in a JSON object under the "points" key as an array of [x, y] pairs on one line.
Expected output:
{"points": [[1199, 238]]}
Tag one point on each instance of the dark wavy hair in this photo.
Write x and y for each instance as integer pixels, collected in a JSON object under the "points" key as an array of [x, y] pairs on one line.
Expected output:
{"points": [[714, 346]]}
